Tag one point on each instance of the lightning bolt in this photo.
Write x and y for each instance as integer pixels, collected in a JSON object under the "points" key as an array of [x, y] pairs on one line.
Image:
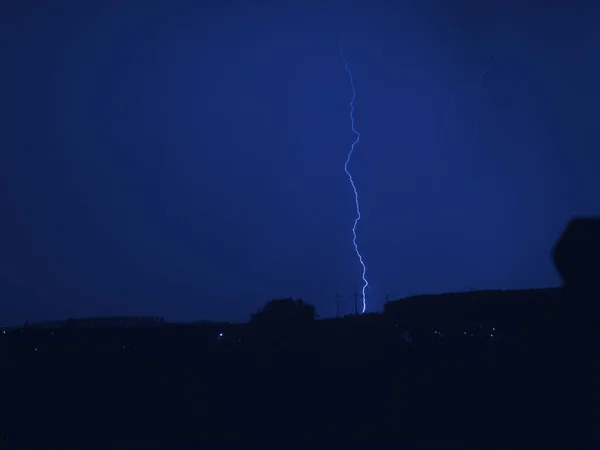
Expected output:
{"points": [[358, 215]]}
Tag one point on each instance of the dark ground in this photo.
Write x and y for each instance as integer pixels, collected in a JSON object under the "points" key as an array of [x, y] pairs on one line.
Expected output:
{"points": [[326, 381]]}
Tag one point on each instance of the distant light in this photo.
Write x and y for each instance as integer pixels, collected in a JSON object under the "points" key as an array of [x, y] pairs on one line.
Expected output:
{"points": [[493, 329], [3, 331], [35, 349], [220, 334], [240, 341], [491, 335], [465, 333]]}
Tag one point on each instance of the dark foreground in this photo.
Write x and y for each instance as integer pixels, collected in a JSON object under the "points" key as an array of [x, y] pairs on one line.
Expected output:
{"points": [[186, 385]]}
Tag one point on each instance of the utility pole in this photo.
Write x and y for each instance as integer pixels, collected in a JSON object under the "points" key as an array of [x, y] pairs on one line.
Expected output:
{"points": [[355, 301]]}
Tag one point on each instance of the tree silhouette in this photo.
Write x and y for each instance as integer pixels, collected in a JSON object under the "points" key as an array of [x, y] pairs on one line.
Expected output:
{"points": [[285, 310]]}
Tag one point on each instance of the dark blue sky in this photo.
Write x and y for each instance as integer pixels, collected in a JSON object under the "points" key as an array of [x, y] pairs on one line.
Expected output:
{"points": [[186, 160]]}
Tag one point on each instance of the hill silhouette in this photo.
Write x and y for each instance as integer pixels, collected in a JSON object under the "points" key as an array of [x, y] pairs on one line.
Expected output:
{"points": [[477, 369]]}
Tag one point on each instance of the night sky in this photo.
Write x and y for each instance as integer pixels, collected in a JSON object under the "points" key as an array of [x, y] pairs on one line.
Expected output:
{"points": [[187, 160]]}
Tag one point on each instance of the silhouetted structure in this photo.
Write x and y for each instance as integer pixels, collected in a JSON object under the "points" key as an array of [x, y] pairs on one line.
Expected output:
{"points": [[577, 253], [576, 256]]}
